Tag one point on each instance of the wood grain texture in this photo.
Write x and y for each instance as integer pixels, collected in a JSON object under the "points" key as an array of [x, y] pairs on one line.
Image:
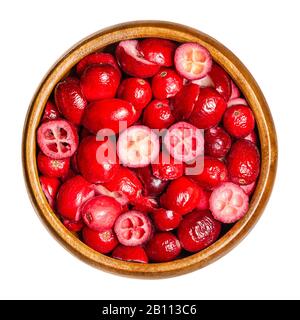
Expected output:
{"points": [[251, 91]]}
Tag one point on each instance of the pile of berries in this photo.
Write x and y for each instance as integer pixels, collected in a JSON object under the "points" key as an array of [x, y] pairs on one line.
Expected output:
{"points": [[147, 153]]}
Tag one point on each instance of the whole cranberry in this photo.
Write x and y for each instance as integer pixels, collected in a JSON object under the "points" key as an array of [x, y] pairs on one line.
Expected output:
{"points": [[97, 160], [70, 100], [54, 168], [182, 196], [50, 187], [217, 142], [103, 242], [100, 82], [158, 115], [51, 112], [166, 220], [132, 254], [208, 109], [163, 247], [198, 230], [203, 203], [213, 174], [73, 226], [136, 91], [72, 194], [166, 84], [243, 162], [221, 80], [166, 168]]}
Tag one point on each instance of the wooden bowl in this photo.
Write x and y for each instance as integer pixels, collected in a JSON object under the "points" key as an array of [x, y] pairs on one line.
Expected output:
{"points": [[246, 83]]}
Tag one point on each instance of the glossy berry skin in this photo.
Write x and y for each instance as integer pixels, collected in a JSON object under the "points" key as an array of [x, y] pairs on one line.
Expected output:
{"points": [[243, 162], [70, 100], [198, 230], [166, 168], [73, 226], [252, 136], [159, 51], [136, 91], [51, 167], [217, 142], [94, 165], [152, 186], [100, 213], [107, 114], [203, 203], [100, 82], [221, 80], [51, 112], [131, 254], [239, 121], [208, 109], [166, 84], [158, 114], [72, 194], [166, 220], [103, 242], [50, 187], [182, 196], [163, 247], [213, 174]]}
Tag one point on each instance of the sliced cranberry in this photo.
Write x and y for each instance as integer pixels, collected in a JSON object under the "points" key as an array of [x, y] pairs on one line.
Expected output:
{"points": [[184, 142], [235, 92], [118, 196], [217, 142], [145, 204], [208, 109], [166, 83], [107, 114], [182, 196], [132, 62], [229, 203], [203, 203], [249, 188], [72, 194], [243, 162], [51, 112], [192, 61], [100, 213], [54, 168], [158, 114], [221, 81], [163, 247], [70, 100], [133, 228], [100, 82], [73, 226], [166, 220], [166, 168], [131, 254], [159, 51], [57, 139], [103, 242], [252, 136], [198, 230], [237, 101], [136, 91], [97, 160], [50, 187], [137, 146], [204, 82]]}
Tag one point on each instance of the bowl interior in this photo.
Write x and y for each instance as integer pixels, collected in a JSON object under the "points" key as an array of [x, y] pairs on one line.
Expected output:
{"points": [[248, 86]]}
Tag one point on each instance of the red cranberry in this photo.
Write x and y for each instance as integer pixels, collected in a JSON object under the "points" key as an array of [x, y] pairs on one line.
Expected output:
{"points": [[217, 142], [163, 247], [166, 168], [166, 220], [50, 112], [221, 80], [203, 203], [118, 196], [198, 230], [136, 91], [54, 168], [73, 226], [166, 84], [182, 196], [131, 254], [103, 242], [243, 162], [50, 187], [252, 136], [249, 188]]}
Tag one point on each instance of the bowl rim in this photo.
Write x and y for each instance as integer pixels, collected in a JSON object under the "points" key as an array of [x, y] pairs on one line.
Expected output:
{"points": [[252, 93]]}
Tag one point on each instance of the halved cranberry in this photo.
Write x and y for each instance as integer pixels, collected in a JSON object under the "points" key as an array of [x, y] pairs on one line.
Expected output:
{"points": [[57, 139], [166, 220], [137, 146], [163, 247], [192, 61], [51, 112], [159, 51], [97, 160], [132, 62], [107, 114], [54, 168], [136, 91], [198, 230], [100, 213], [50, 187], [133, 228], [131, 254], [184, 142], [237, 101], [221, 81], [158, 114], [72, 194], [217, 142], [249, 188], [103, 242], [100, 82], [118, 196], [229, 203], [73, 226], [70, 100], [252, 136], [166, 168], [204, 82], [235, 92]]}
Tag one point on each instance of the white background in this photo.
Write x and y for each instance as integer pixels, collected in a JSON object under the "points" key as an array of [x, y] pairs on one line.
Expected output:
{"points": [[264, 35]]}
